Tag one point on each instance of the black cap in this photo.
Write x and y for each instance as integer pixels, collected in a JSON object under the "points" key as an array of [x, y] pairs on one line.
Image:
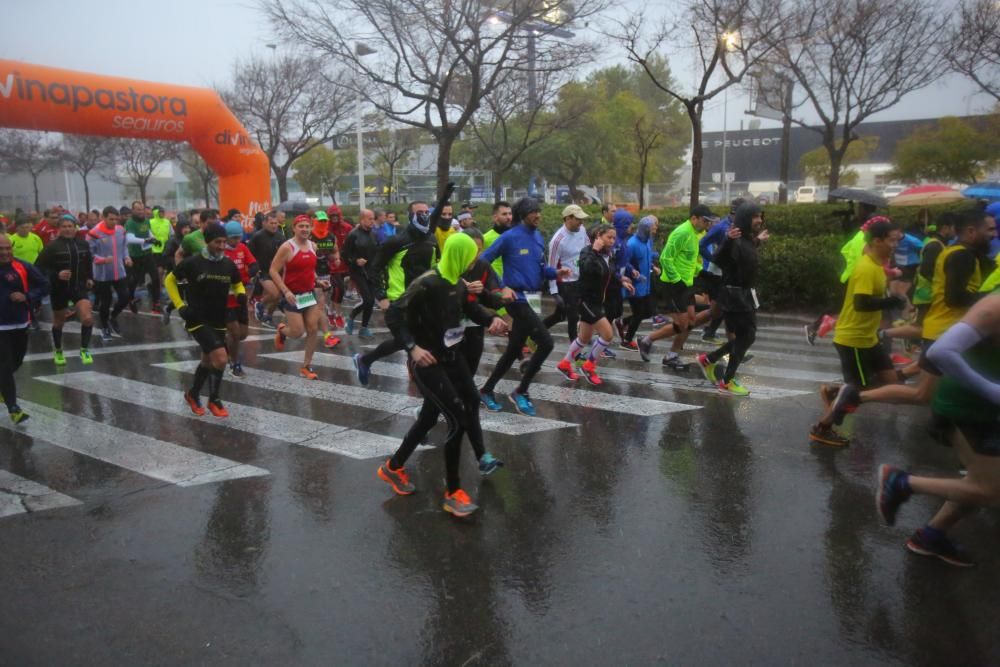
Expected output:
{"points": [[702, 211], [214, 231], [468, 204]]}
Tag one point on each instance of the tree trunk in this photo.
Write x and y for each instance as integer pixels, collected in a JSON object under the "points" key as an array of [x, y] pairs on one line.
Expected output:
{"points": [[392, 183], [34, 184], [836, 160], [207, 184], [497, 185], [281, 176], [696, 153], [445, 142], [642, 184], [86, 193], [142, 190]]}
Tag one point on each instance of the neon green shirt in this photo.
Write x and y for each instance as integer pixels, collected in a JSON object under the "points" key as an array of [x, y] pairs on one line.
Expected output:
{"points": [[679, 258], [26, 248], [851, 252]]}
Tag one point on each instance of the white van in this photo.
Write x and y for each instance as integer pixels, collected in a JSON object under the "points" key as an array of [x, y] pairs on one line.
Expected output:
{"points": [[810, 194]]}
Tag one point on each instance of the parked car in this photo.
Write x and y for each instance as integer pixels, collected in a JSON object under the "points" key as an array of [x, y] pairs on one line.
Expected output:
{"points": [[892, 191], [810, 194]]}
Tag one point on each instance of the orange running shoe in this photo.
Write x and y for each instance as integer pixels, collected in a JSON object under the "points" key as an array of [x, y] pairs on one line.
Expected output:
{"points": [[826, 326], [308, 373], [194, 404], [590, 373], [566, 368], [217, 409], [329, 340], [459, 503], [279, 338], [397, 479]]}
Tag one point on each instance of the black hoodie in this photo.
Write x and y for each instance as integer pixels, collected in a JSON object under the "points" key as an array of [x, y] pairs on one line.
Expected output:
{"points": [[738, 258]]}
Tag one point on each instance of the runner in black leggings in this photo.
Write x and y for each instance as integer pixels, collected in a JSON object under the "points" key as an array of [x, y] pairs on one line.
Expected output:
{"points": [[427, 322], [358, 251]]}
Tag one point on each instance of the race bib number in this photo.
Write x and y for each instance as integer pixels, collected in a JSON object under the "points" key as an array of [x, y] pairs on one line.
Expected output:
{"points": [[454, 336], [303, 301], [756, 302], [534, 300]]}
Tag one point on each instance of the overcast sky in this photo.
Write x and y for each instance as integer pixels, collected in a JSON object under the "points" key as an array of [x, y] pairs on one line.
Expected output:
{"points": [[195, 42]]}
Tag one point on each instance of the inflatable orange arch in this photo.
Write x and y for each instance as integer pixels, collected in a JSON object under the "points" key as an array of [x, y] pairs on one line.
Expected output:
{"points": [[33, 97]]}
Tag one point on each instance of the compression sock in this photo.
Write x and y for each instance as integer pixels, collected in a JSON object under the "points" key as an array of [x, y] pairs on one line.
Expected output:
{"points": [[57, 337], [200, 375], [214, 383], [85, 333], [599, 346], [574, 349]]}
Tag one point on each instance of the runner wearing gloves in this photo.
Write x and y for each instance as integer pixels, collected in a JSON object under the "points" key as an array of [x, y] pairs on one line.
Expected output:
{"points": [[68, 265], [564, 250]]}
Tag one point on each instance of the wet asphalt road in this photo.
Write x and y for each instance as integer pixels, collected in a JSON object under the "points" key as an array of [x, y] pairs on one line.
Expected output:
{"points": [[686, 529]]}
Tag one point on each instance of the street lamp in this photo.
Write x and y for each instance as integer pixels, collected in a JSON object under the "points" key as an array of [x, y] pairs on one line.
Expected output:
{"points": [[728, 41], [360, 50]]}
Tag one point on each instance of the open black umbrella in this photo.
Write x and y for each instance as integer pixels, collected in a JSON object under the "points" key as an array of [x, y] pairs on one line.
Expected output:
{"points": [[294, 207], [860, 196]]}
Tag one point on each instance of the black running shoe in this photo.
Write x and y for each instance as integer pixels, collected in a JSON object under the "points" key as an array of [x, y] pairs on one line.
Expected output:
{"points": [[889, 494], [943, 549]]}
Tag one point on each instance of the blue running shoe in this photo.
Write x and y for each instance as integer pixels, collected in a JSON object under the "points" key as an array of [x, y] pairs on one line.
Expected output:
{"points": [[489, 464], [258, 311], [349, 327], [489, 399], [364, 371], [608, 353], [522, 404], [365, 332], [892, 490]]}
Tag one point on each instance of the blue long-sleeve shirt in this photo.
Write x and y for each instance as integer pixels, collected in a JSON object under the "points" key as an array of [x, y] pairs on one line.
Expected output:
{"points": [[712, 239], [15, 315], [908, 251], [522, 249], [639, 255]]}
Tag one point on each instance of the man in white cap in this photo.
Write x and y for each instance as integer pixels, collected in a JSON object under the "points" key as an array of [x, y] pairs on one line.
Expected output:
{"points": [[564, 251]]}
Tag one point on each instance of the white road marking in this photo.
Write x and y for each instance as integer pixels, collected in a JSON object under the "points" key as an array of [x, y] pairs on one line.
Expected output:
{"points": [[147, 456], [373, 399], [144, 347], [300, 431], [567, 395], [22, 496]]}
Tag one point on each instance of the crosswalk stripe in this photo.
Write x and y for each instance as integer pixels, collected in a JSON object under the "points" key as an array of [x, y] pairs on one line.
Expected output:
{"points": [[643, 407], [120, 349], [21, 496], [373, 399], [295, 430], [147, 456]]}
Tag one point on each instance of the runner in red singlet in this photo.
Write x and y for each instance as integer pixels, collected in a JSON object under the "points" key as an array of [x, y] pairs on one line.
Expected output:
{"points": [[237, 316], [293, 270]]}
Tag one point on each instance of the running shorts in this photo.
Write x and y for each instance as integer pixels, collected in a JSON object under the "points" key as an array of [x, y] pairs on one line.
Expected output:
{"points": [[909, 273], [209, 338], [237, 314], [709, 284], [982, 436], [591, 313], [860, 365], [61, 296], [924, 363], [676, 297]]}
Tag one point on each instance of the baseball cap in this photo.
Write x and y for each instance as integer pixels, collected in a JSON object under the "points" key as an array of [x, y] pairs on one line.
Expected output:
{"points": [[575, 211], [302, 218], [320, 215], [468, 204], [234, 228], [703, 211]]}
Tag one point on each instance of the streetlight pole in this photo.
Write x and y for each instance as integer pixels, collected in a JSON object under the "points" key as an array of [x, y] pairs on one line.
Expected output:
{"points": [[725, 142], [360, 50]]}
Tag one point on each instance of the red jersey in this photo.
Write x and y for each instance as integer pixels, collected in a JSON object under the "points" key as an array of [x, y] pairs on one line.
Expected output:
{"points": [[46, 231], [340, 230], [300, 269], [242, 258]]}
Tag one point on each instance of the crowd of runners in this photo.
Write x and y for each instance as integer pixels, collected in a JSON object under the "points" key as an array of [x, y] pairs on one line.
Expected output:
{"points": [[442, 285]]}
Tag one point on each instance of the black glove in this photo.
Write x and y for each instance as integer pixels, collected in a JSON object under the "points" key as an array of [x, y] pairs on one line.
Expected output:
{"points": [[560, 302]]}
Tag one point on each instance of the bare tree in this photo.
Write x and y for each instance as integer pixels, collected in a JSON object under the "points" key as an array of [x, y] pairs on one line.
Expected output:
{"points": [[137, 160], [389, 148], [436, 59], [199, 173], [854, 59], [86, 155], [27, 151], [728, 38], [973, 48], [289, 104]]}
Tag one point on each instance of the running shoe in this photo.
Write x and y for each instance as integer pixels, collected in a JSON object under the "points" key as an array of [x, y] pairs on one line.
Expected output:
{"points": [[397, 479], [279, 338], [810, 334], [826, 435], [566, 368], [645, 348], [712, 338], [106, 336], [891, 492], [826, 326], [133, 305], [522, 403], [258, 311], [620, 327], [331, 319], [329, 340], [194, 404], [166, 315], [18, 416], [339, 321], [59, 358], [673, 360], [238, 370], [943, 548], [629, 345], [747, 358], [489, 464], [364, 371], [156, 310], [85, 357], [366, 333], [828, 392], [268, 323], [217, 409], [115, 329], [848, 399], [608, 353], [308, 373], [900, 359], [733, 387], [707, 368], [659, 320], [525, 352], [459, 503], [590, 373], [33, 323], [348, 327], [489, 400]]}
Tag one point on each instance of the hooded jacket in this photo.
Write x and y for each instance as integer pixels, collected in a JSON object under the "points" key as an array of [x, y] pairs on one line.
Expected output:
{"points": [[640, 256], [400, 260], [596, 275], [70, 254], [107, 245], [161, 230], [739, 261]]}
